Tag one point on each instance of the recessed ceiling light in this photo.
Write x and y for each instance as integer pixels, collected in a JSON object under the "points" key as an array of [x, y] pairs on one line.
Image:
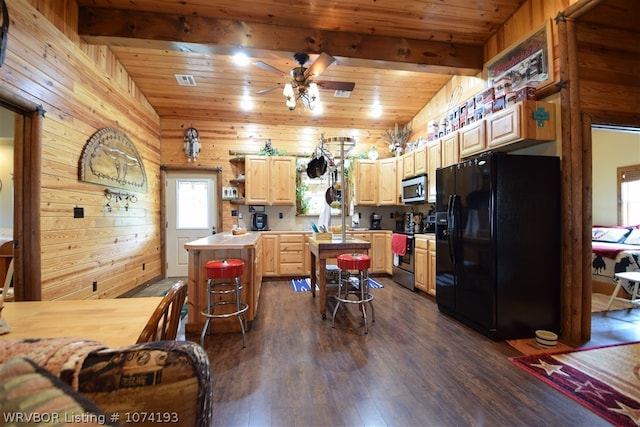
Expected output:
{"points": [[376, 111], [241, 58], [246, 104]]}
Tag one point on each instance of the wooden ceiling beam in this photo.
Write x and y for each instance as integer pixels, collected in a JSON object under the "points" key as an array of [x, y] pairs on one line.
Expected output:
{"points": [[223, 36]]}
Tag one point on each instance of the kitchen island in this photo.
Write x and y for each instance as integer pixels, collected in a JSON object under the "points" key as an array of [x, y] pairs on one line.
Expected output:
{"points": [[246, 247], [321, 251]]}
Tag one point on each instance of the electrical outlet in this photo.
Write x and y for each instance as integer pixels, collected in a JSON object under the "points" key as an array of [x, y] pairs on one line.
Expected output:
{"points": [[239, 215], [143, 266], [280, 215], [95, 286], [78, 212]]}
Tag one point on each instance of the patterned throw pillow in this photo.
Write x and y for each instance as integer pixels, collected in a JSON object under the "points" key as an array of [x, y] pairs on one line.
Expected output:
{"points": [[609, 234], [30, 395]]}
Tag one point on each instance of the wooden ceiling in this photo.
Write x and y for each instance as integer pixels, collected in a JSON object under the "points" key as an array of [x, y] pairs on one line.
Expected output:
{"points": [[399, 53]]}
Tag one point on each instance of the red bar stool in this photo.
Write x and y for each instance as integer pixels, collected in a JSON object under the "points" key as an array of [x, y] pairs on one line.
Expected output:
{"points": [[223, 307], [354, 289]]}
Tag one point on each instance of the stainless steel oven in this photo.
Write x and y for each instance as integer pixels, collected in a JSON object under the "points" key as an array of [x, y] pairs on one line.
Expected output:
{"points": [[404, 265]]}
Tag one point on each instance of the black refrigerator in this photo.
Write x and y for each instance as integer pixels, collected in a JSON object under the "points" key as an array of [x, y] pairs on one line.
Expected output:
{"points": [[498, 244]]}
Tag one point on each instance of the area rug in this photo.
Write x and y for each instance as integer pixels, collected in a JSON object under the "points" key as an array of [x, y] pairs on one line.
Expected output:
{"points": [[606, 379], [304, 285], [599, 303]]}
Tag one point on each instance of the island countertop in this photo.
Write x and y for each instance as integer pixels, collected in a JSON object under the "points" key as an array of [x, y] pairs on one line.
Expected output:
{"points": [[225, 240]]}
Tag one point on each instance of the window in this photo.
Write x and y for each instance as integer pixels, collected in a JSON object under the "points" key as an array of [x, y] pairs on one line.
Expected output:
{"points": [[192, 204], [311, 192], [629, 195]]}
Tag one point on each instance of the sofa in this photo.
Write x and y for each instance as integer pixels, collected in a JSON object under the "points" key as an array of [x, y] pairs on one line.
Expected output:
{"points": [[84, 382]]}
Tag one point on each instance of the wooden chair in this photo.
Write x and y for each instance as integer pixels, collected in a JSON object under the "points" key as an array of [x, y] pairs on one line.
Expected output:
{"points": [[7, 290], [163, 324]]}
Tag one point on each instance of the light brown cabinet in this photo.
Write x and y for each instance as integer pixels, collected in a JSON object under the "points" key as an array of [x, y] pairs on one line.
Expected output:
{"points": [[420, 261], [387, 186], [408, 165], [525, 121], [284, 255], [472, 138], [420, 161], [434, 162], [270, 180], [366, 182], [431, 267], [269, 244], [450, 149]]}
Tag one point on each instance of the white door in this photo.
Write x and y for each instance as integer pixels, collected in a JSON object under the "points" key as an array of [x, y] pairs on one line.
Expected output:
{"points": [[191, 207]]}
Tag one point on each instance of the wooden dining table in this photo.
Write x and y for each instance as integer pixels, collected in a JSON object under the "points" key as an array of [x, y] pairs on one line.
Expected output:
{"points": [[115, 322], [323, 250]]}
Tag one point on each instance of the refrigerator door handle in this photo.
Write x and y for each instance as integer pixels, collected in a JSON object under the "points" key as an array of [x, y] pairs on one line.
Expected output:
{"points": [[451, 227]]}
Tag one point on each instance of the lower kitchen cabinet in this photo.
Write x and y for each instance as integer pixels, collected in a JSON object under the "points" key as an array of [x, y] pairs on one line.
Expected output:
{"points": [[291, 251], [431, 266], [425, 264], [269, 254], [420, 263]]}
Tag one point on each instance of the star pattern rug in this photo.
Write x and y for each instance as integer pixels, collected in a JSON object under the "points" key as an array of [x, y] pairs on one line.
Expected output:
{"points": [[606, 379]]}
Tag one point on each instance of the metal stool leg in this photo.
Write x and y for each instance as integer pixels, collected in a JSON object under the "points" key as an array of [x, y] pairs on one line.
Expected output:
{"points": [[240, 311], [208, 319]]}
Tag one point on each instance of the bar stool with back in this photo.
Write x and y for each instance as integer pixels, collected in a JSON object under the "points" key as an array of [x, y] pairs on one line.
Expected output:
{"points": [[356, 286], [229, 303]]}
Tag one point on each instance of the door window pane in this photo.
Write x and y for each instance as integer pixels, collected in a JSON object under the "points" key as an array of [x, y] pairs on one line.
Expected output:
{"points": [[192, 204]]}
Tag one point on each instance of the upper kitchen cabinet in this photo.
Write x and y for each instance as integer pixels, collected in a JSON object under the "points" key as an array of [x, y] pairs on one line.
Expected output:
{"points": [[450, 149], [524, 121], [433, 163], [408, 165], [375, 182], [420, 161], [388, 194], [270, 180], [366, 182], [472, 139]]}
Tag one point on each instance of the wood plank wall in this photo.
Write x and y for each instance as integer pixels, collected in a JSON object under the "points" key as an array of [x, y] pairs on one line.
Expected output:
{"points": [[83, 89]]}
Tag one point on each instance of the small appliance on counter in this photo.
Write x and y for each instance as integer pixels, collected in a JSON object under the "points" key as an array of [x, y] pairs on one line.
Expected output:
{"points": [[376, 222], [259, 222], [429, 224]]}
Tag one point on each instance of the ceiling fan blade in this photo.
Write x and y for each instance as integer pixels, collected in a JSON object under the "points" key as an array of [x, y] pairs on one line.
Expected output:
{"points": [[273, 69], [345, 86], [319, 65], [263, 91]]}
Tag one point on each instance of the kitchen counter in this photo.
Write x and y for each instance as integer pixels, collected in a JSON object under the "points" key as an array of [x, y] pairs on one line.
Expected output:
{"points": [[246, 247], [226, 240]]}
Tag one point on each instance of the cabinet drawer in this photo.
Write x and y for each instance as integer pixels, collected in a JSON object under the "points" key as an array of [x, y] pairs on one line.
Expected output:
{"points": [[286, 257], [291, 238], [291, 269], [421, 243], [291, 247]]}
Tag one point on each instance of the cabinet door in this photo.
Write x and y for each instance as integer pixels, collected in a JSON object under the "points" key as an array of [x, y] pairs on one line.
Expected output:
{"points": [[450, 149], [379, 253], [420, 161], [472, 138], [420, 258], [269, 255], [431, 267], [434, 163], [257, 180], [282, 184], [366, 182], [503, 127], [408, 165], [388, 188]]}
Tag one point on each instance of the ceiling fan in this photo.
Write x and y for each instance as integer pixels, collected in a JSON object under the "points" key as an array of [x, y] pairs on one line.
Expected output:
{"points": [[302, 83]]}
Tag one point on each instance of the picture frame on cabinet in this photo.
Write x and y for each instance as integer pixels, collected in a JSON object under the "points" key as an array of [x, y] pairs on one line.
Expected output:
{"points": [[527, 62]]}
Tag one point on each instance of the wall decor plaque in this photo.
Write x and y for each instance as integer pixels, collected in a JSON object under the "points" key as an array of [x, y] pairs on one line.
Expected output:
{"points": [[109, 158]]}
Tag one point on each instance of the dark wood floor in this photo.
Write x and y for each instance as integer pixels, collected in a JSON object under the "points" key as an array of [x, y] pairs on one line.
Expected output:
{"points": [[416, 367]]}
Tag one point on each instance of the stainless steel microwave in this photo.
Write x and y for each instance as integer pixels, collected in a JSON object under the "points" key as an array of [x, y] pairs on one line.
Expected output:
{"points": [[414, 190]]}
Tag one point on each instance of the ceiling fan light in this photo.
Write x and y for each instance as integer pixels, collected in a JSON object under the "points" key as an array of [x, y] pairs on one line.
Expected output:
{"points": [[288, 91], [313, 91]]}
